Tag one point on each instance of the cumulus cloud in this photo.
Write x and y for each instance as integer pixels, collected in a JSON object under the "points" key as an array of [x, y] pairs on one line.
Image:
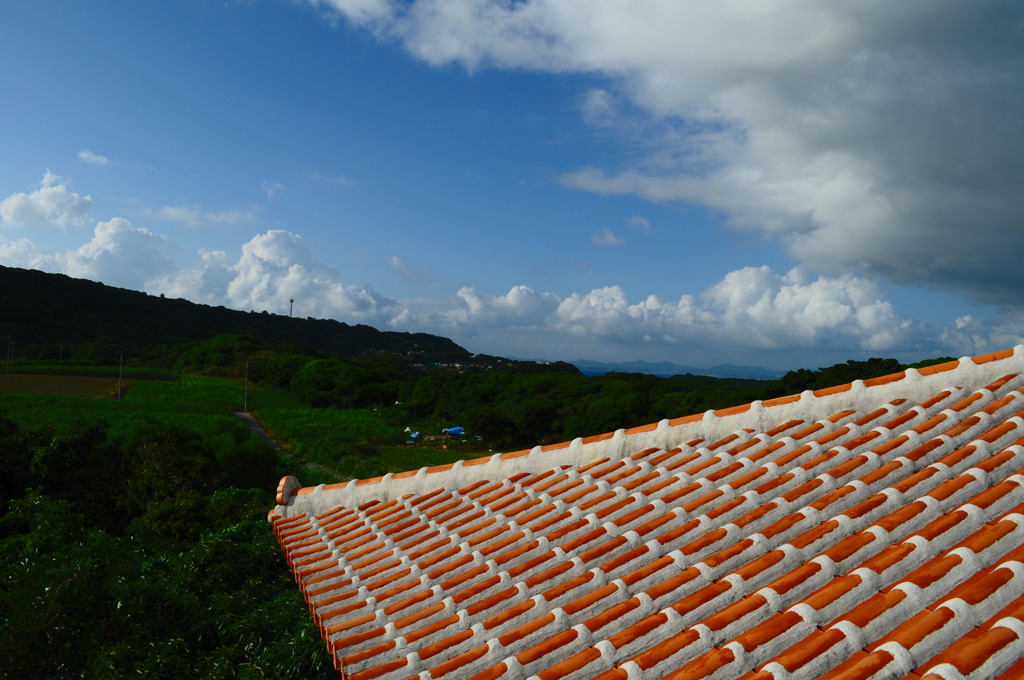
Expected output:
{"points": [[753, 312], [52, 205], [118, 254], [607, 313], [882, 138], [521, 307], [794, 310], [973, 336], [20, 253], [276, 267], [92, 158]]}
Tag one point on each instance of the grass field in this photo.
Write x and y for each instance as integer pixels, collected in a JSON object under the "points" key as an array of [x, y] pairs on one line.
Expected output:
{"points": [[356, 443], [401, 458], [58, 402], [64, 385]]}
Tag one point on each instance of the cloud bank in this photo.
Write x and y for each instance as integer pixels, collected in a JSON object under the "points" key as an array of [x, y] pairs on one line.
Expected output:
{"points": [[883, 138], [753, 315]]}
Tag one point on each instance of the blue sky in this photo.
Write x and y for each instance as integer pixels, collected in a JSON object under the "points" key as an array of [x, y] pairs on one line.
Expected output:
{"points": [[776, 183]]}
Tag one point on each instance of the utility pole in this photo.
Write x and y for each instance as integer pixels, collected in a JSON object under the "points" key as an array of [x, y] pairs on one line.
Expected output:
{"points": [[291, 304]]}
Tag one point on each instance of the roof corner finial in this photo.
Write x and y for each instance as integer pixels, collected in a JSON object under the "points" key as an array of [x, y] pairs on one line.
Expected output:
{"points": [[286, 488]]}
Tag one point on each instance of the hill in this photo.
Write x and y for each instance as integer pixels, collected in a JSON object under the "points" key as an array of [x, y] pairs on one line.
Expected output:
{"points": [[41, 312]]}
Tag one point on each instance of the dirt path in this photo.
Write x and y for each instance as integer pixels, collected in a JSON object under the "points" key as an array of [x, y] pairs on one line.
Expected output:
{"points": [[256, 429]]}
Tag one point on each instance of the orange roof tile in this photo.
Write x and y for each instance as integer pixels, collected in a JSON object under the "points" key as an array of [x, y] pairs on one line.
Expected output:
{"points": [[873, 529]]}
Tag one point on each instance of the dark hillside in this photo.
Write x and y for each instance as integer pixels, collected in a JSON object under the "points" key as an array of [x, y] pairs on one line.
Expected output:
{"points": [[48, 310]]}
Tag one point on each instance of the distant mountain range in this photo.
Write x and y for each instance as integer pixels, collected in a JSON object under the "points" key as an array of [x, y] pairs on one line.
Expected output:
{"points": [[664, 369]]}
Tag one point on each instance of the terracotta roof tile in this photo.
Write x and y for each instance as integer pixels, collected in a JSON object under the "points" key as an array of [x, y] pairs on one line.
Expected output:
{"points": [[872, 529]]}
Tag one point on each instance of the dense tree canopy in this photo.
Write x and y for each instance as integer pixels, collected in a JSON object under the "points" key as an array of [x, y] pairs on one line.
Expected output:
{"points": [[142, 549]]}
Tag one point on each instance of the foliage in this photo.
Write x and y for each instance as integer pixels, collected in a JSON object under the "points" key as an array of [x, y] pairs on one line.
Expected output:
{"points": [[81, 603], [930, 362], [216, 354], [521, 409], [133, 541], [802, 379], [50, 564]]}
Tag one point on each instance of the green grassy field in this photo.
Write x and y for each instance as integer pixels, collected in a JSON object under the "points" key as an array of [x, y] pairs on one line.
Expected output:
{"points": [[60, 402], [356, 443], [62, 385], [343, 443]]}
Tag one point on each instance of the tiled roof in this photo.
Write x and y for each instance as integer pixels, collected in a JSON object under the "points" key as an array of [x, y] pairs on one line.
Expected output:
{"points": [[870, 530]]}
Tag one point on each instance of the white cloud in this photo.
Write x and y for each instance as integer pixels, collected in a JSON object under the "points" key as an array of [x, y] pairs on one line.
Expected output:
{"points": [[521, 307], [880, 137], [599, 108], [607, 313], [191, 216], [334, 180], [92, 158], [272, 189], [230, 216], [406, 270], [276, 267], [641, 224], [753, 308], [364, 12], [795, 311], [20, 253], [752, 312], [971, 336], [51, 205], [605, 237], [118, 254]]}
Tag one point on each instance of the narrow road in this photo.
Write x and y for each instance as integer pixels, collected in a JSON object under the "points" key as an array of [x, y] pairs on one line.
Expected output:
{"points": [[255, 428]]}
